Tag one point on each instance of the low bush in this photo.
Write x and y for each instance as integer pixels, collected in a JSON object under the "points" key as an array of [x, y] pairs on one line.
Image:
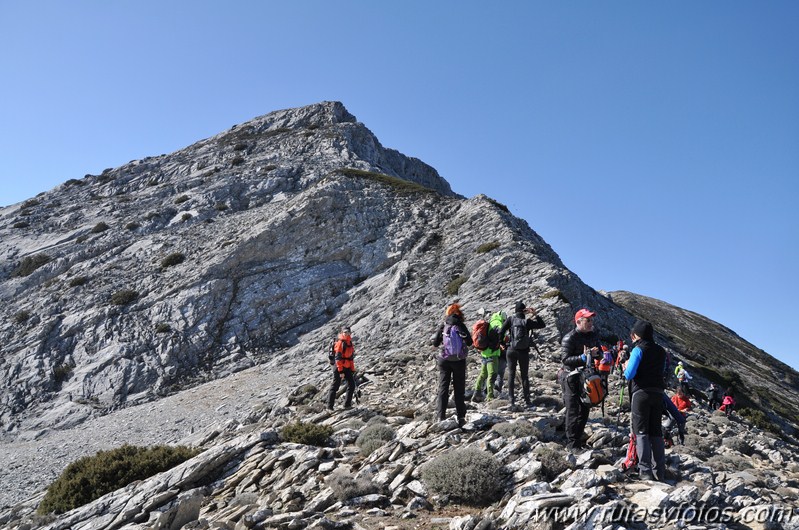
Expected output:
{"points": [[133, 225], [515, 429], [163, 327], [345, 486], [487, 247], [553, 462], [220, 207], [237, 161], [30, 264], [124, 297], [21, 224], [373, 437], [466, 475], [306, 433], [92, 477], [100, 227], [181, 199], [739, 445], [176, 258], [20, 317], [77, 281], [454, 286], [186, 217]]}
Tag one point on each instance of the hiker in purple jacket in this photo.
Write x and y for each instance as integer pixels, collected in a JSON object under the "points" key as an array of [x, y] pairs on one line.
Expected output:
{"points": [[454, 338]]}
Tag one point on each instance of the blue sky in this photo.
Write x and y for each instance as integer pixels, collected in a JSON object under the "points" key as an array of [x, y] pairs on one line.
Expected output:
{"points": [[654, 145]]}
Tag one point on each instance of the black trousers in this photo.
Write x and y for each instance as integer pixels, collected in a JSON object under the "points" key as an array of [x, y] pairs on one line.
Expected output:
{"points": [[454, 372], [646, 410], [348, 376], [576, 411], [523, 358]]}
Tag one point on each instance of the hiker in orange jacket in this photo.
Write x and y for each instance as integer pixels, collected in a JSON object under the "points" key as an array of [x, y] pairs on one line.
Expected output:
{"points": [[343, 358], [681, 401]]}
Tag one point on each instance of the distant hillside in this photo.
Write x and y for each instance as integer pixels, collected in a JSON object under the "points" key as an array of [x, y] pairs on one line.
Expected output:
{"points": [[718, 354]]}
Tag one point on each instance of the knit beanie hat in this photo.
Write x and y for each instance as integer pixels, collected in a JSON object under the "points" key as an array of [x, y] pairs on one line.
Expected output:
{"points": [[643, 329], [520, 307]]}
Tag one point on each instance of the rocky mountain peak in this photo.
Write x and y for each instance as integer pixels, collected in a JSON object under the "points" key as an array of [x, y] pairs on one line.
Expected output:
{"points": [[246, 252]]}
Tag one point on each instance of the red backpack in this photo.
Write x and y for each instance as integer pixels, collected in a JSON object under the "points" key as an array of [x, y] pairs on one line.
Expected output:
{"points": [[480, 335]]}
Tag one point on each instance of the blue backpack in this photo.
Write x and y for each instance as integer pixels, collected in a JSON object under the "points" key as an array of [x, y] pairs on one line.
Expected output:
{"points": [[454, 347]]}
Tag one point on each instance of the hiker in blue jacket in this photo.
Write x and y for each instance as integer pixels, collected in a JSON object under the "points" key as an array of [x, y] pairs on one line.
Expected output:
{"points": [[451, 363], [644, 373]]}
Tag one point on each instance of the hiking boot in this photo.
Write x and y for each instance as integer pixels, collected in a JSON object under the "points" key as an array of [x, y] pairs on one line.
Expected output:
{"points": [[461, 421]]}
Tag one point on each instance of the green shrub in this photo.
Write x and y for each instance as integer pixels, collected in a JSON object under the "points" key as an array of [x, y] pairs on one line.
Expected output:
{"points": [[454, 286], [176, 258], [30, 264], [163, 327], [759, 419], [21, 316], [397, 183], [345, 486], [237, 161], [220, 207], [553, 462], [556, 293], [124, 297], [186, 216], [373, 437], [62, 372], [487, 247], [77, 281], [21, 224], [306, 433], [467, 475], [133, 225], [515, 429], [240, 147], [100, 227], [498, 204], [736, 444], [181, 199], [92, 477]]}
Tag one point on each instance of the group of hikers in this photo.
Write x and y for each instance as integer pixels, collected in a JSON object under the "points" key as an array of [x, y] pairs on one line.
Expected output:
{"points": [[504, 343]]}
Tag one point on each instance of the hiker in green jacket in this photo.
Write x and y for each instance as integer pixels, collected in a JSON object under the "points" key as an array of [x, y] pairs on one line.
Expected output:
{"points": [[490, 357]]}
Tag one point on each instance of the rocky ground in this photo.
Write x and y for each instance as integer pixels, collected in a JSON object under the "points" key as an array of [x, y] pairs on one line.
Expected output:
{"points": [[728, 471]]}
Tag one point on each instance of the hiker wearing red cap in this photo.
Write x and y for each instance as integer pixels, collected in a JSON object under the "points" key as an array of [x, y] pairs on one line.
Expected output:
{"points": [[578, 346]]}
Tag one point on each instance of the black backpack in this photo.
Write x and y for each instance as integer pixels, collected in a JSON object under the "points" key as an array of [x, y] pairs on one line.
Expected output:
{"points": [[519, 336]]}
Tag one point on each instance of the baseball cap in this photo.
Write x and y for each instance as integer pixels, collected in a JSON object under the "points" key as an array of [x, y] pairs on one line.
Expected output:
{"points": [[583, 313]]}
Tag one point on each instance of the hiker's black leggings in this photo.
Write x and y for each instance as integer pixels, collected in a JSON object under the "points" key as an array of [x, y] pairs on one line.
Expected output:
{"points": [[576, 411], [523, 358], [331, 398], [454, 371]]}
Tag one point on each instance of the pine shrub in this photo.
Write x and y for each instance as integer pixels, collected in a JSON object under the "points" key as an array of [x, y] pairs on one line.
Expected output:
{"points": [[181, 199], [373, 437], [466, 475], [454, 286], [21, 317], [92, 477], [306, 433], [163, 327]]}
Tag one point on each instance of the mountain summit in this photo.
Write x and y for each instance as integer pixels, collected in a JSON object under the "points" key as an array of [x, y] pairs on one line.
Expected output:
{"points": [[250, 248]]}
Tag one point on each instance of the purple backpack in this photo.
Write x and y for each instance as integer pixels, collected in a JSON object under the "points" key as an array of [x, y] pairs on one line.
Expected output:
{"points": [[454, 347]]}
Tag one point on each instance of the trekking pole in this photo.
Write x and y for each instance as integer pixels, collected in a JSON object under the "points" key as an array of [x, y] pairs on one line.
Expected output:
{"points": [[621, 400]]}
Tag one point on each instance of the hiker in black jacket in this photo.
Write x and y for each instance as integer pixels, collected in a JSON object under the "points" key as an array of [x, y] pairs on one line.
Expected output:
{"points": [[645, 375], [519, 327], [578, 347], [452, 364]]}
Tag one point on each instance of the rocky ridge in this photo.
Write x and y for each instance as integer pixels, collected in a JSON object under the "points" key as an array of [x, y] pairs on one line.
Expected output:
{"points": [[729, 473], [243, 253]]}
